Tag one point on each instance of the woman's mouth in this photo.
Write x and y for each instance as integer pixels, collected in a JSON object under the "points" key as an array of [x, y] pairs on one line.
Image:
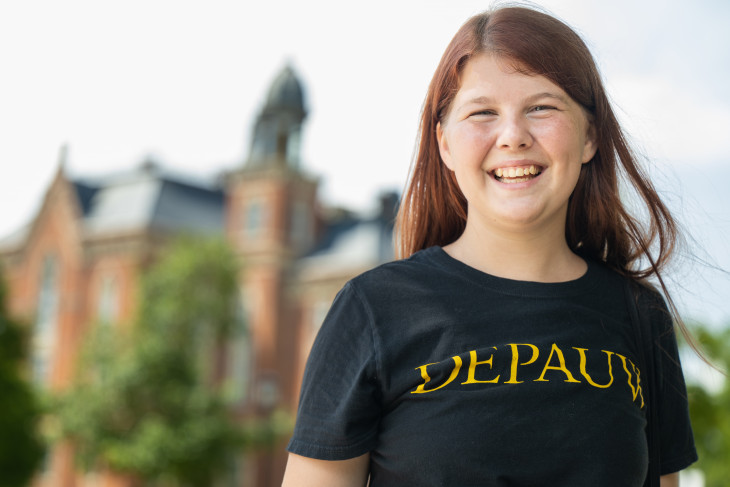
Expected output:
{"points": [[517, 174]]}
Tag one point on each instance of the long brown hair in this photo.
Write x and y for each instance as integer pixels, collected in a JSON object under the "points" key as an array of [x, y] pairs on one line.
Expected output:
{"points": [[599, 226]]}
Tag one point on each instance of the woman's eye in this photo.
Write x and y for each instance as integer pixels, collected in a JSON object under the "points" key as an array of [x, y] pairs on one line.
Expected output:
{"points": [[482, 112], [542, 108]]}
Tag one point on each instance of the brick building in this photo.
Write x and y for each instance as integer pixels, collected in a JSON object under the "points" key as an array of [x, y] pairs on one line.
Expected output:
{"points": [[79, 260]]}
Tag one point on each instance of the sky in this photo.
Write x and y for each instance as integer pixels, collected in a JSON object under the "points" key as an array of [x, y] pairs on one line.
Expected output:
{"points": [[182, 82]]}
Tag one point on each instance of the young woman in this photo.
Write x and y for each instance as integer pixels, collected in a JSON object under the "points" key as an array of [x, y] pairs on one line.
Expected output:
{"points": [[501, 351]]}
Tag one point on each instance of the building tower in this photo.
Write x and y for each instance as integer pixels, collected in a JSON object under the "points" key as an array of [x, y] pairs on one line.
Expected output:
{"points": [[271, 221]]}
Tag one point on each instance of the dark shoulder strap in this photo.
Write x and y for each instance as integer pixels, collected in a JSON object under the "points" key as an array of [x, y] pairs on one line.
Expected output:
{"points": [[642, 329]]}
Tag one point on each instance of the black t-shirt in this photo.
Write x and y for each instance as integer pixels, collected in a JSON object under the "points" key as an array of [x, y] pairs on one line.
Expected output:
{"points": [[451, 377]]}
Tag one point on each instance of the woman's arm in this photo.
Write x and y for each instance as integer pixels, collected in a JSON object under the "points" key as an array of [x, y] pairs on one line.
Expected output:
{"points": [[309, 472], [671, 480]]}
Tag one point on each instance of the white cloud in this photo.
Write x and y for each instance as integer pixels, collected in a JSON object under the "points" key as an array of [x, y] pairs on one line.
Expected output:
{"points": [[675, 122]]}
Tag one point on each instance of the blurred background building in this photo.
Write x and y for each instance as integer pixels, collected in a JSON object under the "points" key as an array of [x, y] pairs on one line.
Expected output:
{"points": [[77, 264]]}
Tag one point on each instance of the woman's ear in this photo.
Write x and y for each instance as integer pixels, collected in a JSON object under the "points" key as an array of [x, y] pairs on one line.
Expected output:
{"points": [[443, 146], [591, 144]]}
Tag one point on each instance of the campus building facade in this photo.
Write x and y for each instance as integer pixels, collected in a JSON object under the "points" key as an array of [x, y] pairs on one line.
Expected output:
{"points": [[78, 263]]}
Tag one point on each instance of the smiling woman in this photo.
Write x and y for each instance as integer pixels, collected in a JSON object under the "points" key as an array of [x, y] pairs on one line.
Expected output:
{"points": [[505, 347], [516, 144]]}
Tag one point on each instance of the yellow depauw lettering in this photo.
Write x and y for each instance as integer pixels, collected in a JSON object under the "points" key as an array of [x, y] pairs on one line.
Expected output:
{"points": [[470, 379], [584, 372], [561, 359], [635, 390], [421, 389], [638, 382], [516, 360]]}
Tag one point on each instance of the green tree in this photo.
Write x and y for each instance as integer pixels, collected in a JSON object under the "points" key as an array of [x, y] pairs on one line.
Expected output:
{"points": [[710, 411], [21, 449], [144, 402]]}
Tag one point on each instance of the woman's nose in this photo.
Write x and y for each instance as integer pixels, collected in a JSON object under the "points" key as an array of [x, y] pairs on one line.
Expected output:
{"points": [[514, 134]]}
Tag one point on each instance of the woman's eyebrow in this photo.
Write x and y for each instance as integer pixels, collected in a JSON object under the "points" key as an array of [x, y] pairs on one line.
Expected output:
{"points": [[478, 100], [485, 100], [547, 94]]}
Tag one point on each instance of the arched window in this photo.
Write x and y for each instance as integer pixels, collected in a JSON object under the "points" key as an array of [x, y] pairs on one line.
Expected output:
{"points": [[44, 338]]}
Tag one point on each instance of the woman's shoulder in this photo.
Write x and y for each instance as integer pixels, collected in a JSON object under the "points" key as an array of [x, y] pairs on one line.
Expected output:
{"points": [[424, 264], [652, 304], [422, 271]]}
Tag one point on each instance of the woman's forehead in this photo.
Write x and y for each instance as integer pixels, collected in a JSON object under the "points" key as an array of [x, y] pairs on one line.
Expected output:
{"points": [[486, 73]]}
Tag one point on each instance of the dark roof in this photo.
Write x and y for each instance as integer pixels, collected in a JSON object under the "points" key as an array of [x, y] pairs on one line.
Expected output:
{"points": [[353, 242], [85, 194], [149, 199], [286, 92], [183, 206], [334, 230]]}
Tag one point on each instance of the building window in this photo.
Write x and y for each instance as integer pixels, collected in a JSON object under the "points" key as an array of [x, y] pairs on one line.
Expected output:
{"points": [[239, 353], [293, 147], [108, 305], [46, 319], [239, 366], [255, 218], [299, 225], [47, 297]]}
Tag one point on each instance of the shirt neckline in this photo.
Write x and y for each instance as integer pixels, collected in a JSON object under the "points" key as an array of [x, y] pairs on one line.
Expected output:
{"points": [[582, 285]]}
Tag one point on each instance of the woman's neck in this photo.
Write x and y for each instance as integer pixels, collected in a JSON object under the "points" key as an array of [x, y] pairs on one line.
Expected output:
{"points": [[538, 256]]}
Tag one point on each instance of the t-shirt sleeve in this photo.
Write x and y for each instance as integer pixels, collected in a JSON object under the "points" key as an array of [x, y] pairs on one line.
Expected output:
{"points": [[339, 405], [677, 448]]}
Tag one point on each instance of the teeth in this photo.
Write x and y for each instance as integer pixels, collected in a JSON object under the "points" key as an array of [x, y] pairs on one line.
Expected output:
{"points": [[516, 172], [516, 180]]}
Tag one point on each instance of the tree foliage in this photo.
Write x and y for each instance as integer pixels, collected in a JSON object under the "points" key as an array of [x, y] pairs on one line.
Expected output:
{"points": [[21, 449], [710, 411], [144, 403]]}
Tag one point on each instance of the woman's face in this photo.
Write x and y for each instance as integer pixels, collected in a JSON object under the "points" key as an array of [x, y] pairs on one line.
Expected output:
{"points": [[516, 144]]}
